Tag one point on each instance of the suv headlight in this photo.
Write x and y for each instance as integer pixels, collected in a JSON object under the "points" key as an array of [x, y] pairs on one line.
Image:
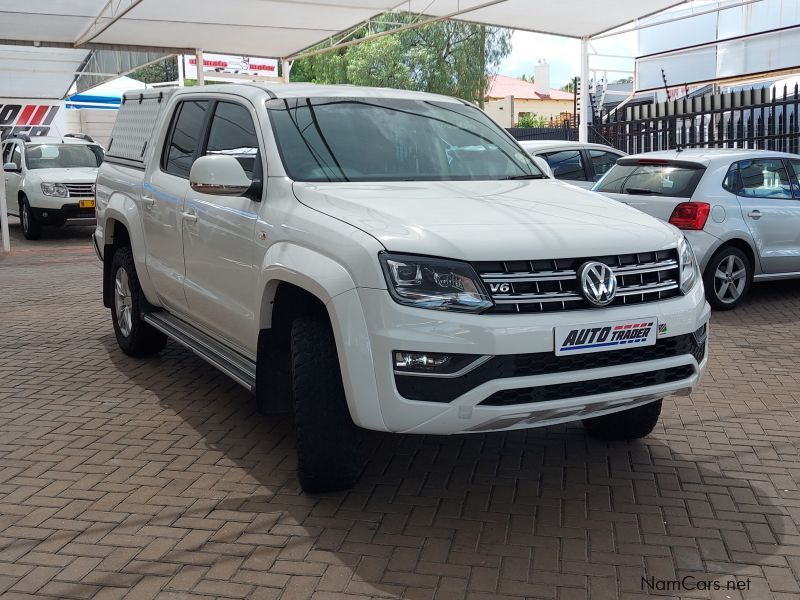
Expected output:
{"points": [[690, 272], [58, 190], [434, 283]]}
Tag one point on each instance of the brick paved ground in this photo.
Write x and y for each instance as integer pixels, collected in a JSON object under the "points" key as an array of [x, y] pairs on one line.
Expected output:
{"points": [[156, 478]]}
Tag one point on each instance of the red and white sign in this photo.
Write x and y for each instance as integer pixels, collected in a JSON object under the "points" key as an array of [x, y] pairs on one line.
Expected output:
{"points": [[33, 117], [216, 66]]}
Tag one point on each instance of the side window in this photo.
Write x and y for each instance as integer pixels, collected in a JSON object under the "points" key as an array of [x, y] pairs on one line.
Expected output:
{"points": [[764, 178], [795, 163], [732, 183], [566, 164], [602, 161], [16, 155], [6, 152], [183, 139], [233, 133]]}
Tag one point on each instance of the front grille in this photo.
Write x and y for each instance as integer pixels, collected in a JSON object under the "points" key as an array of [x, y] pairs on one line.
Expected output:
{"points": [[437, 389], [80, 190], [531, 286], [592, 387]]}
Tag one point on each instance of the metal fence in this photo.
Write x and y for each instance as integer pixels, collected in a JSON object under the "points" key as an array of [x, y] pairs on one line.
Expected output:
{"points": [[754, 119]]}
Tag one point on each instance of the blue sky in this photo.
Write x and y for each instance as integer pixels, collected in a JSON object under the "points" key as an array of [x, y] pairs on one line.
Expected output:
{"points": [[563, 55]]}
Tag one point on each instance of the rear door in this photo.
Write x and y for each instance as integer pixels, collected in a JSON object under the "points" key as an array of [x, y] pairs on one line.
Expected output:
{"points": [[654, 186], [771, 209], [166, 185]]}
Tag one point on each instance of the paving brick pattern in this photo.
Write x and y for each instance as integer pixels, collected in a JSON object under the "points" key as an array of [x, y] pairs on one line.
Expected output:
{"points": [[123, 478]]}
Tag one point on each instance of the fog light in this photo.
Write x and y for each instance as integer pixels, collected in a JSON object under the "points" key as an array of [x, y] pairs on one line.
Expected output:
{"points": [[419, 361]]}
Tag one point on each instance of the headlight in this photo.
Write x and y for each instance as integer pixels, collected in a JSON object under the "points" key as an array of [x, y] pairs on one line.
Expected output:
{"points": [[688, 263], [55, 189], [434, 283]]}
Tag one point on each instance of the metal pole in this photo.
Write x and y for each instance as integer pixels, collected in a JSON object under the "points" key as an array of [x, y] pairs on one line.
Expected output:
{"points": [[4, 215], [583, 129], [286, 69], [181, 71], [201, 76]]}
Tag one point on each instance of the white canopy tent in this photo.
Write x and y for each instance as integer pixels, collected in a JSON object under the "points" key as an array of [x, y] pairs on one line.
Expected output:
{"points": [[45, 44]]}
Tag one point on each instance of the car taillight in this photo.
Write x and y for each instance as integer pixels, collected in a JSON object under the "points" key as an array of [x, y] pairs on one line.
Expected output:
{"points": [[690, 215]]}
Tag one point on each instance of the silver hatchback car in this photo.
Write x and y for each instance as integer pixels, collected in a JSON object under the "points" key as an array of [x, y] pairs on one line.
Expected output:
{"points": [[739, 209]]}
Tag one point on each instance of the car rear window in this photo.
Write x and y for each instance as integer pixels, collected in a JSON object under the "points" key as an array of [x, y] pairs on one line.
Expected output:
{"points": [[677, 179]]}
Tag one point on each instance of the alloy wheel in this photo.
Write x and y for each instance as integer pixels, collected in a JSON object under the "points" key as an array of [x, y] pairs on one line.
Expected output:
{"points": [[730, 279], [123, 303]]}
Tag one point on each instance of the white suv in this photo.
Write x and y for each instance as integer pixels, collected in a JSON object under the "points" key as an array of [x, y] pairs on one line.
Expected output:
{"points": [[50, 180], [388, 260]]}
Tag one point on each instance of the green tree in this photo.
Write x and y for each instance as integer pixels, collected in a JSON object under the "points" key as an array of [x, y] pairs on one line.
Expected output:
{"points": [[446, 57], [158, 72], [532, 120]]}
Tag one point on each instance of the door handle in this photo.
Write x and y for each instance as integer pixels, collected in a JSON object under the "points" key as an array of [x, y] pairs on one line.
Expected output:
{"points": [[754, 214], [191, 217], [148, 200]]}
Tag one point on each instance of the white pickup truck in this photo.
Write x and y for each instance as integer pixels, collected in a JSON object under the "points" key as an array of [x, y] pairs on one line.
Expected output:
{"points": [[387, 260]]}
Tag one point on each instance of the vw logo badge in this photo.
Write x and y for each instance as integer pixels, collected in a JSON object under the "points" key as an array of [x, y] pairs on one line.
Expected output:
{"points": [[598, 283]]}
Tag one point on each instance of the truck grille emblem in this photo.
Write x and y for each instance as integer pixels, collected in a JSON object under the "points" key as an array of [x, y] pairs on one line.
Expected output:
{"points": [[598, 283]]}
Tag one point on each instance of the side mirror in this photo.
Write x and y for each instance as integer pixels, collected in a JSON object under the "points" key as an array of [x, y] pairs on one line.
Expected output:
{"points": [[220, 175], [545, 168], [12, 167]]}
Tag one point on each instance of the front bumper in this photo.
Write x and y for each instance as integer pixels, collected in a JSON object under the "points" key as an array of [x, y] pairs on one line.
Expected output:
{"points": [[370, 326], [57, 216]]}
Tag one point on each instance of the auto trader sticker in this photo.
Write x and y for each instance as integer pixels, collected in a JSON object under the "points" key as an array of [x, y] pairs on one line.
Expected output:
{"points": [[600, 337]]}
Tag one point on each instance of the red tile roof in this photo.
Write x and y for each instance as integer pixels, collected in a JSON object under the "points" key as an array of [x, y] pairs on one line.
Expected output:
{"points": [[502, 86]]}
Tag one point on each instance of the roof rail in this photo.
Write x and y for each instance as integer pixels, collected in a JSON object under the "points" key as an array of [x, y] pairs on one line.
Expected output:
{"points": [[80, 136], [21, 136]]}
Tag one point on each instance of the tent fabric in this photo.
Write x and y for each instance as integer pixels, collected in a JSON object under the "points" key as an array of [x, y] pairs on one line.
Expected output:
{"points": [[276, 28]]}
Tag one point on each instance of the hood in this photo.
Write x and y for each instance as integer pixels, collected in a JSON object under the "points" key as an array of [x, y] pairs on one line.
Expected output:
{"points": [[489, 220], [75, 175]]}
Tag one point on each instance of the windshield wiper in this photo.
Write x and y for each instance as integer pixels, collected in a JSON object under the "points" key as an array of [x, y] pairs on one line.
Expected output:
{"points": [[514, 177], [641, 192]]}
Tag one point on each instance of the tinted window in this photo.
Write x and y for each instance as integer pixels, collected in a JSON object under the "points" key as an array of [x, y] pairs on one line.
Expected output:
{"points": [[6, 152], [732, 183], [379, 139], [61, 156], [184, 139], [602, 162], [764, 178], [16, 155], [669, 178], [567, 164], [233, 133]]}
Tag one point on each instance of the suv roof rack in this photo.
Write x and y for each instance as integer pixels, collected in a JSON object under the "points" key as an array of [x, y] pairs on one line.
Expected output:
{"points": [[21, 136], [79, 136]]}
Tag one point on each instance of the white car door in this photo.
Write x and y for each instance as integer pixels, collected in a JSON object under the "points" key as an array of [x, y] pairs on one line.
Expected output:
{"points": [[12, 153], [166, 185], [218, 237]]}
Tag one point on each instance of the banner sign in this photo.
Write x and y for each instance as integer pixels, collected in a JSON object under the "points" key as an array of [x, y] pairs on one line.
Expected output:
{"points": [[33, 117], [215, 66]]}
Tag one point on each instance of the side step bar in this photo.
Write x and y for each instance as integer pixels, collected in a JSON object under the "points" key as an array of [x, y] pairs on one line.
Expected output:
{"points": [[234, 365]]}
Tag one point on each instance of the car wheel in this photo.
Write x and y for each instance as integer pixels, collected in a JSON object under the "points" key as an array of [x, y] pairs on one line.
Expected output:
{"points": [[134, 335], [628, 424], [326, 442], [31, 228], [727, 278]]}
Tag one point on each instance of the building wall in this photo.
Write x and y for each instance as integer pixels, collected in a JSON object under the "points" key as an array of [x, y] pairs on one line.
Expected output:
{"points": [[500, 109]]}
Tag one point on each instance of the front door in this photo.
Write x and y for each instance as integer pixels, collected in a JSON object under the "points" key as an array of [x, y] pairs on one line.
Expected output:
{"points": [[218, 237], [166, 185], [12, 153], [772, 212]]}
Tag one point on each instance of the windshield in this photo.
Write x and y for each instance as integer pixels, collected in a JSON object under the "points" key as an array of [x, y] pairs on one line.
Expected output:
{"points": [[377, 139], [63, 156], [677, 179]]}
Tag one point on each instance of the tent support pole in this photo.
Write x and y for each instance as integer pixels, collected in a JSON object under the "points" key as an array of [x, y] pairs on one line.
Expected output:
{"points": [[286, 70], [583, 128], [201, 74], [4, 215]]}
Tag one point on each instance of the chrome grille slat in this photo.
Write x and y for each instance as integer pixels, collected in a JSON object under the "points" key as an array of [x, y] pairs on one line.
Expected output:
{"points": [[642, 277], [79, 190]]}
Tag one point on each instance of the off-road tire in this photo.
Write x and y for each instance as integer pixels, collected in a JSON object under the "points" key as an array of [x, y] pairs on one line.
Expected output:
{"points": [[143, 339], [628, 424], [709, 281], [327, 458], [31, 228]]}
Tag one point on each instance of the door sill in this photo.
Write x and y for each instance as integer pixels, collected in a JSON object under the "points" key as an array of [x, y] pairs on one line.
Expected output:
{"points": [[239, 368]]}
